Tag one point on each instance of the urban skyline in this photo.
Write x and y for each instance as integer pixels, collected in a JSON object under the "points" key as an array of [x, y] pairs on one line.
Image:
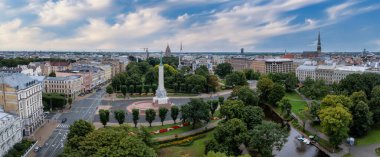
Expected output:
{"points": [[216, 26]]}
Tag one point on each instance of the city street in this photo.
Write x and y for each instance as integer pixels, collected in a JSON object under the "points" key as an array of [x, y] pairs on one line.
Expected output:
{"points": [[82, 109]]}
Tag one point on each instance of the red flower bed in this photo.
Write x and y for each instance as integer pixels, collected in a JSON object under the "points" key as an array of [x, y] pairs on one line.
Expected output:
{"points": [[175, 127], [163, 130], [186, 124]]}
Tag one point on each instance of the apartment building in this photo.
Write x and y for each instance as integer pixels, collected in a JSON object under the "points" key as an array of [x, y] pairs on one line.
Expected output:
{"points": [[71, 86], [240, 63], [10, 131], [273, 65], [22, 95]]}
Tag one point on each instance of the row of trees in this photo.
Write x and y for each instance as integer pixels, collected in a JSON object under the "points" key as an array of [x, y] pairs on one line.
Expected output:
{"points": [[55, 100], [84, 140], [244, 124], [14, 62], [142, 77], [195, 111]]}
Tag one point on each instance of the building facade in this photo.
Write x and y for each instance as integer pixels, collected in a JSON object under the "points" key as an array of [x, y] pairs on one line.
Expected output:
{"points": [[329, 73], [240, 63], [22, 95], [71, 86], [273, 66], [10, 131]]}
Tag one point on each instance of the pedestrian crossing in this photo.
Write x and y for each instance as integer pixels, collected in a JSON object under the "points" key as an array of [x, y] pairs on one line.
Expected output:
{"points": [[63, 126]]}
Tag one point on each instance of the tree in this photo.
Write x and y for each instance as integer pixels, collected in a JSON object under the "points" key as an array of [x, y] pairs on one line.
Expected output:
{"points": [[52, 74], [374, 104], [314, 109], [135, 116], [202, 70], [232, 109], [356, 97], [285, 106], [196, 83], [267, 136], [248, 96], [276, 93], [335, 120], [70, 101], [162, 111], [119, 116], [228, 137], [212, 83], [223, 69], [213, 106], [196, 111], [78, 130], [221, 100], [150, 115], [252, 116], [236, 78], [362, 119], [315, 89], [114, 141], [264, 85], [250, 74], [290, 82], [104, 116], [109, 89], [219, 154], [334, 100], [174, 111], [124, 90]]}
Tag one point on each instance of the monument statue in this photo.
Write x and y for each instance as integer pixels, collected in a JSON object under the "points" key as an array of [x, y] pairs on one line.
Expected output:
{"points": [[161, 95]]}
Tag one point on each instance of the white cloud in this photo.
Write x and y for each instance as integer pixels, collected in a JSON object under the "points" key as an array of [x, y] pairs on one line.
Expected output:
{"points": [[63, 11], [348, 9]]}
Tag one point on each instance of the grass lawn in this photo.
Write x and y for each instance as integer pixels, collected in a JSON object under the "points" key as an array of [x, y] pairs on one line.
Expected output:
{"points": [[175, 131], [298, 104], [372, 137], [194, 150]]}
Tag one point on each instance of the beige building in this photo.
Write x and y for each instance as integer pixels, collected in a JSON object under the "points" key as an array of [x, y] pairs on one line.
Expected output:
{"points": [[273, 66], [107, 72], [22, 95], [71, 86], [240, 63]]}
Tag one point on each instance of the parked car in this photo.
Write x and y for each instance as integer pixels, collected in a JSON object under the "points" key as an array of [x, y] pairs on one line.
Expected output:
{"points": [[36, 149], [64, 120]]}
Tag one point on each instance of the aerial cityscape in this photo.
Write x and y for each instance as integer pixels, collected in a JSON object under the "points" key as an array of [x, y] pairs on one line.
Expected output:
{"points": [[189, 78]]}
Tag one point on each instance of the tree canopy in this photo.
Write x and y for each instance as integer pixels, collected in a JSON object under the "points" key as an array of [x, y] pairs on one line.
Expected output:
{"points": [[223, 69], [196, 111]]}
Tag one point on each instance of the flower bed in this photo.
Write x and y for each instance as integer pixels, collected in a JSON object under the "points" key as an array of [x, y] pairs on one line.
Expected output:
{"points": [[170, 129], [184, 142]]}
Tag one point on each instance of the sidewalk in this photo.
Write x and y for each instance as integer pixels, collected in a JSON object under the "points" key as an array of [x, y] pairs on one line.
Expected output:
{"points": [[43, 133]]}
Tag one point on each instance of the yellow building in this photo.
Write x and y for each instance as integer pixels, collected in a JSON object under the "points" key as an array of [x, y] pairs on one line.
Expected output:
{"points": [[22, 95]]}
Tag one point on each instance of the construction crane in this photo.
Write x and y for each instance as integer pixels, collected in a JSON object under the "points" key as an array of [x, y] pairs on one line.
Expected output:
{"points": [[147, 52]]}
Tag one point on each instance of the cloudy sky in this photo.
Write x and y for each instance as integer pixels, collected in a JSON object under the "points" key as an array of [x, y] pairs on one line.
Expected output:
{"points": [[201, 25]]}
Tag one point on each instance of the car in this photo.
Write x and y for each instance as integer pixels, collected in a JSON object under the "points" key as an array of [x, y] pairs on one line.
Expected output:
{"points": [[36, 149], [64, 120]]}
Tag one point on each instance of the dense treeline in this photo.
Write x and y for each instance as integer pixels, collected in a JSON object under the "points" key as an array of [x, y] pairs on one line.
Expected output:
{"points": [[53, 101], [141, 77], [14, 62]]}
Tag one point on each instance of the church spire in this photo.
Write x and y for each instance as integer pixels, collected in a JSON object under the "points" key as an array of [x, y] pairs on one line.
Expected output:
{"points": [[319, 46]]}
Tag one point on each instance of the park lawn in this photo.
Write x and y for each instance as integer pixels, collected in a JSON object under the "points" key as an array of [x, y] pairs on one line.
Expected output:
{"points": [[197, 148], [298, 104], [372, 137]]}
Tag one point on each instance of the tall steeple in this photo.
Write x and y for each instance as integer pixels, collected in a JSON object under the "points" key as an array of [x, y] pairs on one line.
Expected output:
{"points": [[168, 51], [319, 46]]}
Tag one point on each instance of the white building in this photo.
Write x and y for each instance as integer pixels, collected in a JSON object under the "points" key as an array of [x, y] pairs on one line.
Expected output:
{"points": [[10, 131], [22, 95], [329, 73]]}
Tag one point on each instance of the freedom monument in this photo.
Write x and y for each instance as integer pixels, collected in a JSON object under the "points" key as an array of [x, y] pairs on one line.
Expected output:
{"points": [[160, 100]]}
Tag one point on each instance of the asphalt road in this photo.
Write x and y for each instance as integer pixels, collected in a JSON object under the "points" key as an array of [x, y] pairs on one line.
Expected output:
{"points": [[83, 109]]}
